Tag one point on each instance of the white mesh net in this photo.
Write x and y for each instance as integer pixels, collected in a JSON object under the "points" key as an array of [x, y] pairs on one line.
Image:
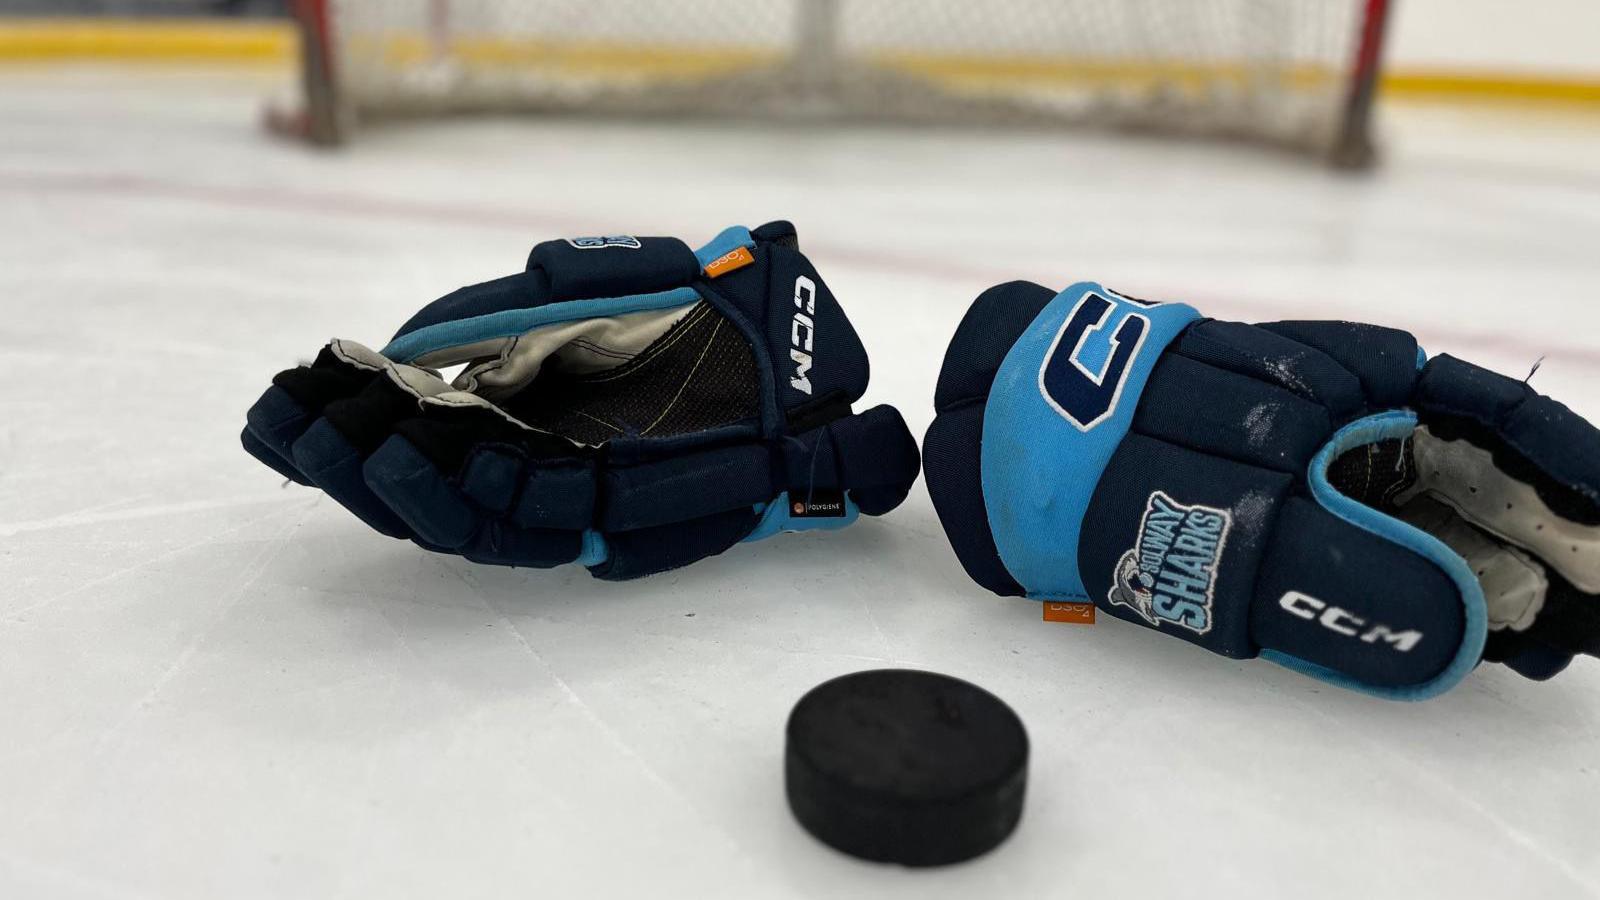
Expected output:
{"points": [[1273, 69]]}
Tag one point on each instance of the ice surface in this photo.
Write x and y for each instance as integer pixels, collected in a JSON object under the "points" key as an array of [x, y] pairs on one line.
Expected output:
{"points": [[215, 685]]}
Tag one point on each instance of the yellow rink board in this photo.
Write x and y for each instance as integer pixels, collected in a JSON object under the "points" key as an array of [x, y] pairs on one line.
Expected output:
{"points": [[203, 40]]}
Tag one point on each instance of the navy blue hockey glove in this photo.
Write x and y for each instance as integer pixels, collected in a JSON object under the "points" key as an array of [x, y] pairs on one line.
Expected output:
{"points": [[1317, 493], [626, 403]]}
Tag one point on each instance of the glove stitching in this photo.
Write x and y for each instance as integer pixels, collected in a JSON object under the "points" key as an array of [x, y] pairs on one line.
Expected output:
{"points": [[473, 376], [349, 360], [1064, 596], [686, 379], [962, 404], [811, 473], [684, 327], [1366, 482], [600, 350], [600, 421]]}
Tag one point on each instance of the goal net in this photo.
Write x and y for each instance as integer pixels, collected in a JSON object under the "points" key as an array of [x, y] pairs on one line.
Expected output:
{"points": [[1296, 72]]}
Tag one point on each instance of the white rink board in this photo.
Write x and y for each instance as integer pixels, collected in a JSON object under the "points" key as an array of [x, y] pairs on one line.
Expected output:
{"points": [[213, 685]]}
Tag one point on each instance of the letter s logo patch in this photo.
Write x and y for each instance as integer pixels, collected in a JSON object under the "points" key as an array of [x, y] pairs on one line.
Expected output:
{"points": [[1084, 369]]}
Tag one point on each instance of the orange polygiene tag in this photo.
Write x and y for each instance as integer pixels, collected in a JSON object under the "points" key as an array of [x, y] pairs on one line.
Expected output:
{"points": [[737, 258], [1071, 613]]}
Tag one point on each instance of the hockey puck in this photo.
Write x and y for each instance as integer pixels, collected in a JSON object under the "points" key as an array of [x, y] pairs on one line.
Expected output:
{"points": [[895, 765]]}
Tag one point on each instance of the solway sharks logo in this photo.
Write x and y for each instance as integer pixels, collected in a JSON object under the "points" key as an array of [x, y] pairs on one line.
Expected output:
{"points": [[1171, 573]]}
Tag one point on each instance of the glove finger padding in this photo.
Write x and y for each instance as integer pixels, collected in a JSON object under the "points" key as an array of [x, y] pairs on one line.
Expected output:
{"points": [[296, 399], [1515, 481], [625, 403], [1270, 490]]}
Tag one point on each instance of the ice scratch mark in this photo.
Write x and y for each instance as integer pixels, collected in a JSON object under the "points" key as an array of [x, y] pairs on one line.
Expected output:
{"points": [[70, 882], [257, 566], [883, 639], [252, 573], [102, 514], [1427, 772], [613, 738], [15, 615]]}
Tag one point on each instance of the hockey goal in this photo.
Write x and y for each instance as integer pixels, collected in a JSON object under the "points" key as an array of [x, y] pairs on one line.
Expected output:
{"points": [[1296, 72]]}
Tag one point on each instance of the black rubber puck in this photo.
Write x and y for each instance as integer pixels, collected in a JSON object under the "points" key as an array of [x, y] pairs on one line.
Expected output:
{"points": [[902, 766]]}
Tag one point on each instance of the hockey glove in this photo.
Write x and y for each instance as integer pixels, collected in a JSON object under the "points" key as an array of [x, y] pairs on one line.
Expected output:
{"points": [[626, 403], [1317, 493]]}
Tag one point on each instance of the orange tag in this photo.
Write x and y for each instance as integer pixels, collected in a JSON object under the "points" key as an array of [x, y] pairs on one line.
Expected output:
{"points": [[737, 258], [1071, 613]]}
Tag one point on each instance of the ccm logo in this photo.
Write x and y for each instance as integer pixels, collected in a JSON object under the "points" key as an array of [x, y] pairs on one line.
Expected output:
{"points": [[1344, 622], [801, 331]]}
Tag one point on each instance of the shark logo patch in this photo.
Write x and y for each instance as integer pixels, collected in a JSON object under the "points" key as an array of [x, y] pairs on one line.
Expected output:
{"points": [[1170, 575]]}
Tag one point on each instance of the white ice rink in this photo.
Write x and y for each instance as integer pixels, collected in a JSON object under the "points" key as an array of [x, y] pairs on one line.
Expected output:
{"points": [[213, 685]]}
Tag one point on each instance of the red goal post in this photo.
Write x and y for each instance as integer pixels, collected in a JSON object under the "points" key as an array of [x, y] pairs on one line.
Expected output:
{"points": [[1298, 73]]}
